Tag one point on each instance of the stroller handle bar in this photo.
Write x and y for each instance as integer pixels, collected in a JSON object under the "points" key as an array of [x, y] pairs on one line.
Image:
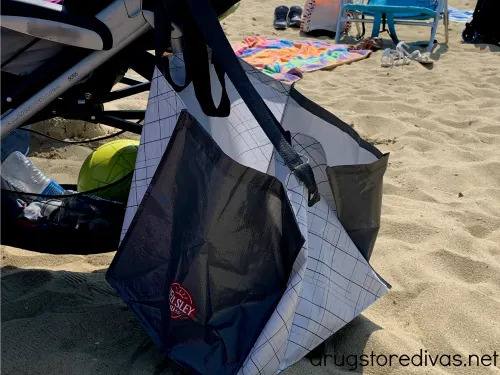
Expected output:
{"points": [[126, 23], [45, 20]]}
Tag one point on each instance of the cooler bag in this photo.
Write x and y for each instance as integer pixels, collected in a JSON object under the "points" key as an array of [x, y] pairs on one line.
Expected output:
{"points": [[246, 240]]}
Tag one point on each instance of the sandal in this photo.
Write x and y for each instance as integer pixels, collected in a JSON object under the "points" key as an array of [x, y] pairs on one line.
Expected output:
{"points": [[415, 55], [373, 44], [280, 17], [392, 58]]}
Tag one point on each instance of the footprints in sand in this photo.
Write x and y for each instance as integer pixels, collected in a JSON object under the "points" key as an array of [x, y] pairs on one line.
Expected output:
{"points": [[461, 322], [493, 129], [74, 277], [487, 103], [478, 225], [455, 121], [408, 231], [70, 323], [20, 284], [465, 268], [479, 230]]}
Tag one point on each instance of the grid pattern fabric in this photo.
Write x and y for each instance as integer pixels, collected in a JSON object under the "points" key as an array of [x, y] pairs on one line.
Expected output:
{"points": [[247, 142], [164, 107], [330, 285], [331, 282]]}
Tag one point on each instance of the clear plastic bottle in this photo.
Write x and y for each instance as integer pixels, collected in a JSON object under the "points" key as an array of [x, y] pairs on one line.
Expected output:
{"points": [[25, 177]]}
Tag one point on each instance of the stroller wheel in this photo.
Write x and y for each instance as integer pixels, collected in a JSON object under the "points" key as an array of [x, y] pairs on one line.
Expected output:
{"points": [[470, 35]]}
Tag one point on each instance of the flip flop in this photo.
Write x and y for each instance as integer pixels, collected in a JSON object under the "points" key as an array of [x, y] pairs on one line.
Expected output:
{"points": [[280, 17], [373, 44], [392, 58], [415, 55], [422, 59], [295, 16]]}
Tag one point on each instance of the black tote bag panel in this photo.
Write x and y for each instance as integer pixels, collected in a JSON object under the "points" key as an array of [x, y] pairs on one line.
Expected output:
{"points": [[208, 255]]}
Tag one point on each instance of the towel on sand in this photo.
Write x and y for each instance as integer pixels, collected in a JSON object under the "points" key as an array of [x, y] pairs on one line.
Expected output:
{"points": [[458, 15], [286, 60]]}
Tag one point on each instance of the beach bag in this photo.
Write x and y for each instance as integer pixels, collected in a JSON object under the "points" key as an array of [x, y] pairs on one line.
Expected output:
{"points": [[483, 28], [321, 16], [208, 255], [234, 259]]}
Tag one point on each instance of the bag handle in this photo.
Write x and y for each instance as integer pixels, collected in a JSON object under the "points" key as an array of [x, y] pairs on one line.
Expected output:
{"points": [[196, 61], [163, 34], [214, 36]]}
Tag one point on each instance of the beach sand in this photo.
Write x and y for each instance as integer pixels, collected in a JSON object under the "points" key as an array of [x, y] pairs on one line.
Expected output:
{"points": [[439, 244]]}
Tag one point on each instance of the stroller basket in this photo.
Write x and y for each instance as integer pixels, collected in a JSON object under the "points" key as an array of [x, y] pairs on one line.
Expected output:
{"points": [[33, 75], [79, 223]]}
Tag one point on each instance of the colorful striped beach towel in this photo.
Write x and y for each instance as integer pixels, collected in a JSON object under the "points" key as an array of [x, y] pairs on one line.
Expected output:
{"points": [[286, 60]]}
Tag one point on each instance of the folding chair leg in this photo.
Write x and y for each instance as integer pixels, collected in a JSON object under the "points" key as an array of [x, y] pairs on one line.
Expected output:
{"points": [[358, 27], [377, 20], [392, 28], [433, 35], [339, 24], [446, 22]]}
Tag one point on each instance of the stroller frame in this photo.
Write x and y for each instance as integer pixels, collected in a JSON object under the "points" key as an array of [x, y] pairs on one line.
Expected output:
{"points": [[68, 94]]}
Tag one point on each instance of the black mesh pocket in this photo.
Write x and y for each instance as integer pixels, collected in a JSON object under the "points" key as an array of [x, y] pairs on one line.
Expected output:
{"points": [[73, 223], [79, 223]]}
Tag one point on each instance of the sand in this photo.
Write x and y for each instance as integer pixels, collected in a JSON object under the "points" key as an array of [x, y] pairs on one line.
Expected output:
{"points": [[439, 244]]}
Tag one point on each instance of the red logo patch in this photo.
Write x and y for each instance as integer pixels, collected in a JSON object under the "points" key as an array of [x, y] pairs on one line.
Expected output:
{"points": [[181, 302]]}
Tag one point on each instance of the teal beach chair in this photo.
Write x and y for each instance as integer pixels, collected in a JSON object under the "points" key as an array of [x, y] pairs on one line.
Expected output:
{"points": [[393, 12]]}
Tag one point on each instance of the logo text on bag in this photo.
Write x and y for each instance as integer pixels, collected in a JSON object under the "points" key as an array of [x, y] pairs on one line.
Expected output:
{"points": [[181, 302]]}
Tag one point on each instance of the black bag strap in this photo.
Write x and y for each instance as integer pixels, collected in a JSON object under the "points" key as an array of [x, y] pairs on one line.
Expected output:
{"points": [[214, 36], [163, 34], [196, 61]]}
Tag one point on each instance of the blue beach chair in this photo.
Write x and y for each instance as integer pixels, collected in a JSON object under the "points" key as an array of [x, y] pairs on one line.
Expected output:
{"points": [[392, 12]]}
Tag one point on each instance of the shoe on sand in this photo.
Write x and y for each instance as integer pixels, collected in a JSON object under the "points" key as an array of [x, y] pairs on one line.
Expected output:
{"points": [[295, 16], [280, 17], [373, 44], [415, 55], [391, 57]]}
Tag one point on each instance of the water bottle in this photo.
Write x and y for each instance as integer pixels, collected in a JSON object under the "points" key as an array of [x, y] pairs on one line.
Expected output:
{"points": [[25, 177]]}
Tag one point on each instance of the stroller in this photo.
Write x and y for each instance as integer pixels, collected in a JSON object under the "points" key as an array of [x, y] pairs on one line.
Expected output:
{"points": [[484, 27], [64, 59]]}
